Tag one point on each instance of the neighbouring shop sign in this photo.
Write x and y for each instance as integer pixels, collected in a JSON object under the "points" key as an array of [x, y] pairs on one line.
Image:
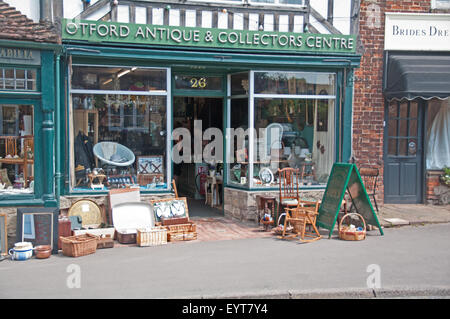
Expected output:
{"points": [[19, 56], [99, 31], [418, 32]]}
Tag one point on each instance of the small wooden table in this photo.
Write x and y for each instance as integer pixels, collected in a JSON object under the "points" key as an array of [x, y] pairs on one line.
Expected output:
{"points": [[99, 177]]}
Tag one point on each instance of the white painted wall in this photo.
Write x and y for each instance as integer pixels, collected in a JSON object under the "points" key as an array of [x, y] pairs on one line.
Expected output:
{"points": [[30, 8], [341, 13], [342, 10], [72, 8], [321, 6]]}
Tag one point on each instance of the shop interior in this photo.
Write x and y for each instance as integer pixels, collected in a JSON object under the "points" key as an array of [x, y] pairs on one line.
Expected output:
{"points": [[200, 182], [16, 148]]}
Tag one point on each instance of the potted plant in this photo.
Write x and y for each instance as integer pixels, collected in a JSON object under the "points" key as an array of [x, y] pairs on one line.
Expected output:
{"points": [[445, 178]]}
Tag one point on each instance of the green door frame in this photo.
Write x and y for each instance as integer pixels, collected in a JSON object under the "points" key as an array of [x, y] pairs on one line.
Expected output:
{"points": [[203, 93], [211, 62]]}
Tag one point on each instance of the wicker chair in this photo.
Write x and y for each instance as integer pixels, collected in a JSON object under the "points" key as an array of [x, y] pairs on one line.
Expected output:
{"points": [[300, 218]]}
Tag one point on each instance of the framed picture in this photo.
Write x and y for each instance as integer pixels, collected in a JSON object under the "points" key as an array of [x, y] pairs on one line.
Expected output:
{"points": [[38, 225], [170, 208], [3, 235], [151, 164]]}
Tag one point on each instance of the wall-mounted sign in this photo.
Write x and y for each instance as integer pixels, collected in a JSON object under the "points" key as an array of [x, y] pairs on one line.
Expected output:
{"points": [[418, 32], [99, 31], [19, 56]]}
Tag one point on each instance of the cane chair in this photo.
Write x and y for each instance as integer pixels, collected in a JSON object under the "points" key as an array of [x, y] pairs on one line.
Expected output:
{"points": [[300, 218], [289, 180]]}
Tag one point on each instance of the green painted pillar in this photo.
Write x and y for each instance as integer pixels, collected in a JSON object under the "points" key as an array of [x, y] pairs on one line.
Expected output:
{"points": [[347, 119], [48, 126]]}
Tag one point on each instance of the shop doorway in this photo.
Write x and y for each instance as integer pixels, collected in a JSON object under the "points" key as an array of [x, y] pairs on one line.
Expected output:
{"points": [[403, 168], [192, 177]]}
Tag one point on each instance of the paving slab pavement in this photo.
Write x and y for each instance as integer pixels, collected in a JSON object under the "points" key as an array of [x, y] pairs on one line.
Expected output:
{"points": [[392, 215]]}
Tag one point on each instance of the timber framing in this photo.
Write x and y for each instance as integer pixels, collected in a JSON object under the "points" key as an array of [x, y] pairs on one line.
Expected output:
{"points": [[281, 18]]}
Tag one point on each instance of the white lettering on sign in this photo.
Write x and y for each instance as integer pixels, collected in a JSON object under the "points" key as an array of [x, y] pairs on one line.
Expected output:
{"points": [[419, 32], [95, 31]]}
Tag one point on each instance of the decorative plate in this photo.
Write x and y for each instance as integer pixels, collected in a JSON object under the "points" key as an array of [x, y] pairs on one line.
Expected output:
{"points": [[266, 176]]}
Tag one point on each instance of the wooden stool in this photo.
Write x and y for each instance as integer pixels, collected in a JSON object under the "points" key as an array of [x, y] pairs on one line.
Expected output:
{"points": [[263, 205]]}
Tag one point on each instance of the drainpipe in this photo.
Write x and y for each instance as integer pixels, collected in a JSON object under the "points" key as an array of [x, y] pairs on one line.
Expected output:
{"points": [[45, 10], [58, 175]]}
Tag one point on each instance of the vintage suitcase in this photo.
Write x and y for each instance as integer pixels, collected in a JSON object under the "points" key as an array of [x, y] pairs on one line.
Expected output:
{"points": [[120, 196], [128, 217]]}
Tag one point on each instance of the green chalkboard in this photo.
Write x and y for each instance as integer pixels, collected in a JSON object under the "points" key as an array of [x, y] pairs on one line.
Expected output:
{"points": [[345, 177]]}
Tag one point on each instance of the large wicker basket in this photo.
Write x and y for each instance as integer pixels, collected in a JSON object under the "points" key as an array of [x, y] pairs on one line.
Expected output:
{"points": [[76, 246], [346, 234]]}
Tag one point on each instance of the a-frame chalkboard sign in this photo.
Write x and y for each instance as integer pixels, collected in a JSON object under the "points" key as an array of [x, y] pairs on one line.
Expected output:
{"points": [[345, 177]]}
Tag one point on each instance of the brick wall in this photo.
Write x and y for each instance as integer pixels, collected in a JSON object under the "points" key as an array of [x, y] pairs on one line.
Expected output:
{"points": [[368, 105], [432, 181]]}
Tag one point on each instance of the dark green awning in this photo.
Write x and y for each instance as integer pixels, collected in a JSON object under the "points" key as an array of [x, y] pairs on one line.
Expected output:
{"points": [[413, 76]]}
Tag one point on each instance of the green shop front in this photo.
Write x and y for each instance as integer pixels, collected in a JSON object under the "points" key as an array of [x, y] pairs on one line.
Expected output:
{"points": [[28, 104], [143, 105]]}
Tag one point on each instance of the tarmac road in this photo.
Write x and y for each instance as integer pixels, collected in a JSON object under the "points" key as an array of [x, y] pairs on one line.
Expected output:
{"points": [[411, 261]]}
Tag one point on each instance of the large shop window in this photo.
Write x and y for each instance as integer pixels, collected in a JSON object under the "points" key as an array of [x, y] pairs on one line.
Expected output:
{"points": [[438, 134], [293, 122], [119, 128], [16, 149]]}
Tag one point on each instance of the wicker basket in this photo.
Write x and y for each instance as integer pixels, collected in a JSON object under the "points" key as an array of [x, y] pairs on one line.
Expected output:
{"points": [[76, 246], [180, 236], [152, 237], [346, 234], [179, 228]]}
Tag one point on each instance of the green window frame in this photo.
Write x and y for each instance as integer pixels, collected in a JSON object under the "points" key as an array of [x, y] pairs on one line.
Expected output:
{"points": [[28, 79], [167, 94]]}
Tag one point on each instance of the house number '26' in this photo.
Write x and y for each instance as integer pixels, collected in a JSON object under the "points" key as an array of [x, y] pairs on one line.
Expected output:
{"points": [[198, 83]]}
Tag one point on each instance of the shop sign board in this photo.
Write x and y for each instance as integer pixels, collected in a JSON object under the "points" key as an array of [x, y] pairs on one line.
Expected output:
{"points": [[345, 177], [418, 32], [11, 55], [100, 31]]}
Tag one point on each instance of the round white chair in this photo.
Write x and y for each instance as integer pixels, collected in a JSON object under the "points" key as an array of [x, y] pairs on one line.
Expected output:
{"points": [[113, 153]]}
